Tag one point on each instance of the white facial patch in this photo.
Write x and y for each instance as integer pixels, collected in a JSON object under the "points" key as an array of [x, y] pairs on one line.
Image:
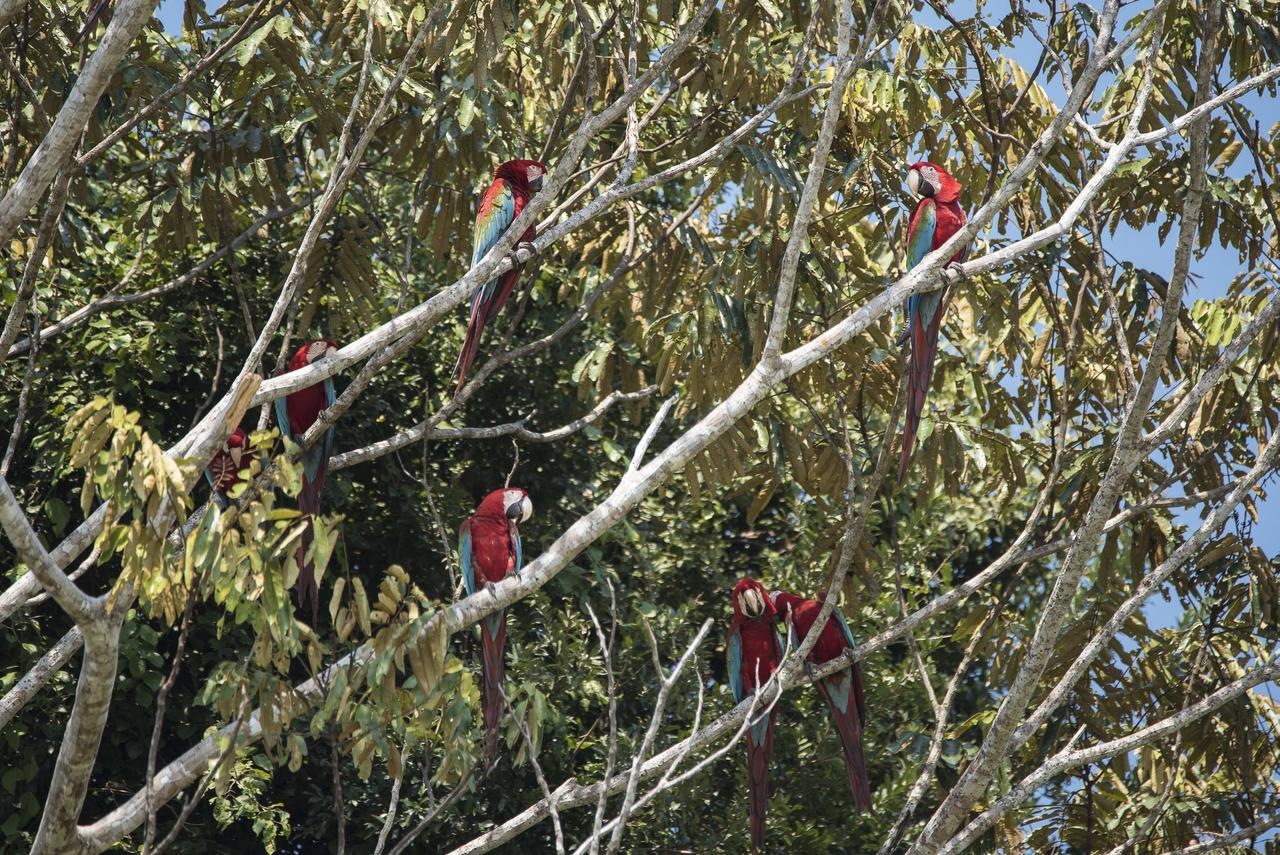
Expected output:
{"points": [[511, 498]]}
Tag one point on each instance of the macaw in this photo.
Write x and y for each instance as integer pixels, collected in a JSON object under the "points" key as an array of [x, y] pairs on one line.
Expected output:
{"points": [[754, 652], [843, 689], [514, 184], [295, 413], [225, 467], [936, 218], [489, 544]]}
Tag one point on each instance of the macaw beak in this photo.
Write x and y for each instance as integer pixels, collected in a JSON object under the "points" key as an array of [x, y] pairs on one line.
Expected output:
{"points": [[235, 454], [520, 510], [752, 603], [919, 185], [328, 353], [535, 183]]}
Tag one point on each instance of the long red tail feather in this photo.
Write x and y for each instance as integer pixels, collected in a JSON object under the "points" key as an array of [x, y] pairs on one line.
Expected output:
{"points": [[849, 727], [494, 668], [924, 349], [309, 505], [481, 315], [758, 781]]}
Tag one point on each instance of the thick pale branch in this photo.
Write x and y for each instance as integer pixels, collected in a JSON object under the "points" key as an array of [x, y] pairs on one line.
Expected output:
{"points": [[82, 608], [58, 832], [26, 688]]}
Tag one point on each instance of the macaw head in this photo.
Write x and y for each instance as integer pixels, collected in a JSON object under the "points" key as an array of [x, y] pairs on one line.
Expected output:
{"points": [[235, 445], [751, 601], [313, 352], [528, 173], [786, 602], [513, 503], [925, 179]]}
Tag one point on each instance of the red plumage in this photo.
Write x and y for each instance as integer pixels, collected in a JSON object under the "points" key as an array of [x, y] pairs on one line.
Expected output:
{"points": [[924, 351], [229, 462], [940, 193], [491, 536], [305, 405], [843, 690], [301, 409], [493, 668], [481, 314], [513, 177], [759, 657]]}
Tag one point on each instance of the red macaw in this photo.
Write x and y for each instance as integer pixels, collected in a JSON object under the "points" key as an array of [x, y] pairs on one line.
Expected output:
{"points": [[489, 542], [295, 413], [225, 467], [514, 184], [937, 217], [843, 689], [754, 652]]}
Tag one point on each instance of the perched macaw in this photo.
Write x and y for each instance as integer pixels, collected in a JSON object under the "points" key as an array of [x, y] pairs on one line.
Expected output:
{"points": [[514, 184], [937, 217], [843, 689], [225, 467], [754, 652], [295, 413], [489, 549]]}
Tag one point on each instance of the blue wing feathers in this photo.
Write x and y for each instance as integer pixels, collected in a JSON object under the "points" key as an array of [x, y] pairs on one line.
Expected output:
{"points": [[844, 627], [839, 690], [282, 417], [920, 239], [488, 232], [464, 557], [734, 655], [503, 215]]}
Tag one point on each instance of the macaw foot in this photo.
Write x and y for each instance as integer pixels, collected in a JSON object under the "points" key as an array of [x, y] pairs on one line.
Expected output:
{"points": [[527, 246], [953, 273], [808, 669]]}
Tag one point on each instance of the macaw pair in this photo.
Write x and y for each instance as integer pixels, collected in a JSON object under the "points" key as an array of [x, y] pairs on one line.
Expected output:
{"points": [[754, 652], [295, 413], [514, 184], [489, 550], [937, 216]]}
